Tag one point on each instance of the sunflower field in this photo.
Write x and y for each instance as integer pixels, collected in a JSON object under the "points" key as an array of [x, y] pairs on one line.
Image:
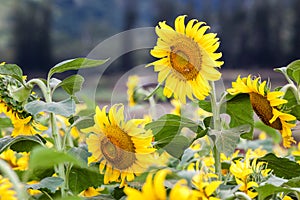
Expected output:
{"points": [[239, 143]]}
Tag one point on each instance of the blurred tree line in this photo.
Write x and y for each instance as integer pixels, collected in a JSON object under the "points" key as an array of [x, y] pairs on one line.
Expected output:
{"points": [[39, 33]]}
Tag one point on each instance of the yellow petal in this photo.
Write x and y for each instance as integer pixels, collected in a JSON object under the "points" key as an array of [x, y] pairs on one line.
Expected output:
{"points": [[159, 183], [179, 24]]}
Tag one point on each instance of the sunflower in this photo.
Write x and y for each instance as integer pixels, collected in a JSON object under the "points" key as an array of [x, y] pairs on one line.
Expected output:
{"points": [[155, 189], [91, 192], [123, 148], [266, 105], [22, 121], [187, 59], [132, 84], [206, 185], [248, 172], [6, 189], [17, 161]]}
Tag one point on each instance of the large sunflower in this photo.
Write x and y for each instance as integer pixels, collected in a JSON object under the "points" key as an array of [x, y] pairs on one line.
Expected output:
{"points": [[266, 105], [123, 148], [187, 59]]}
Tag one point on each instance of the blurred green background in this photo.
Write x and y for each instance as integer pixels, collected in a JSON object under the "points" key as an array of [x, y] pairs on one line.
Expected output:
{"points": [[36, 34]]}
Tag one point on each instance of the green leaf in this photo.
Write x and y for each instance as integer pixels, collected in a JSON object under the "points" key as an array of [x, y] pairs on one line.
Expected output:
{"points": [[177, 146], [80, 153], [227, 140], [294, 182], [268, 190], [64, 108], [296, 112], [75, 64], [20, 143], [72, 84], [43, 158], [118, 193], [83, 178], [269, 131], [205, 105], [48, 184], [168, 126], [240, 111], [293, 71], [12, 70], [21, 94], [84, 122], [281, 167]]}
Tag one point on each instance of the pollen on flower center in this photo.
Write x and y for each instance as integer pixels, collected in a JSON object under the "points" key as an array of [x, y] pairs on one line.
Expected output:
{"points": [[118, 148], [185, 58], [263, 109]]}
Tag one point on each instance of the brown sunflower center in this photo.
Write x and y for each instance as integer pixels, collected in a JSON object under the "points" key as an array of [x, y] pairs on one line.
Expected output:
{"points": [[263, 109], [118, 148], [185, 58]]}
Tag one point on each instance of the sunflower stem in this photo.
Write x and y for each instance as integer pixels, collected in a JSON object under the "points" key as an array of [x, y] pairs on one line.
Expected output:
{"points": [[12, 176], [46, 90], [216, 126]]}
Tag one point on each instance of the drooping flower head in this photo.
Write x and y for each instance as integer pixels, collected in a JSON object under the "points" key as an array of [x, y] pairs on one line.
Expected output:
{"points": [[23, 122], [123, 148], [155, 189], [266, 105], [187, 58]]}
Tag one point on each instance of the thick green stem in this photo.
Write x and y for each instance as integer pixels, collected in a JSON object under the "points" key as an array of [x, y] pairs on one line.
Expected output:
{"points": [[12, 176], [46, 90], [216, 126]]}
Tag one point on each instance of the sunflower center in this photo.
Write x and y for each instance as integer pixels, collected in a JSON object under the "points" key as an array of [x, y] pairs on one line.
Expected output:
{"points": [[263, 109], [185, 58], [118, 148]]}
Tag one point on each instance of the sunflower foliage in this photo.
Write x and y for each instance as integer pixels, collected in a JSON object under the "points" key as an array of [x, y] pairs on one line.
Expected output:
{"points": [[240, 143]]}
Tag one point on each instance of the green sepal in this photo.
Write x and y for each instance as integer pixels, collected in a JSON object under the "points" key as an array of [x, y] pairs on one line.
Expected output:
{"points": [[20, 94]]}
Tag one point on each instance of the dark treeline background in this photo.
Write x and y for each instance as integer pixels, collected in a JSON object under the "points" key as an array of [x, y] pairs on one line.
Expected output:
{"points": [[36, 34]]}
